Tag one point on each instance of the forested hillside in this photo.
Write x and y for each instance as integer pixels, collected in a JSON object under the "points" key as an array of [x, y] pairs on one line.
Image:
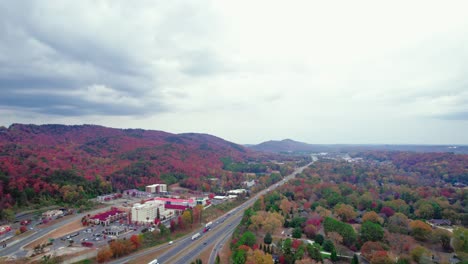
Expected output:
{"points": [[40, 163], [380, 208]]}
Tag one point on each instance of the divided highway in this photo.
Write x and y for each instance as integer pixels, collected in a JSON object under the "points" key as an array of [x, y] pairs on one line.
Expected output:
{"points": [[186, 250]]}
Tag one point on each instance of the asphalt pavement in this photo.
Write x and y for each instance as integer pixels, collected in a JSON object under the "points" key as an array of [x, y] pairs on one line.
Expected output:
{"points": [[15, 248], [185, 250]]}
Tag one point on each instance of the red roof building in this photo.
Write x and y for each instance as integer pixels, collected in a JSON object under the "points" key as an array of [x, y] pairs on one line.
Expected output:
{"points": [[108, 217]]}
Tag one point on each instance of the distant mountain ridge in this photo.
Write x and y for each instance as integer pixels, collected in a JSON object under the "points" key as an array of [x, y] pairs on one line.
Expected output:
{"points": [[289, 145]]}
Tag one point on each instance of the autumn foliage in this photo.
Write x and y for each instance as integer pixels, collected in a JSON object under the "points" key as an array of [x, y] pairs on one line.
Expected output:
{"points": [[70, 163]]}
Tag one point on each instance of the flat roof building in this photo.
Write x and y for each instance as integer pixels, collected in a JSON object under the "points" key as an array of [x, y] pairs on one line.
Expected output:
{"points": [[156, 188], [147, 212]]}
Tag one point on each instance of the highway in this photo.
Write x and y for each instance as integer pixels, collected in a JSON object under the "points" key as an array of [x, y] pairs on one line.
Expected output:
{"points": [[185, 250], [225, 236]]}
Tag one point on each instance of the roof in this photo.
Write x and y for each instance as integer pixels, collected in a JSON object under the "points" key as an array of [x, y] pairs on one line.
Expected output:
{"points": [[174, 200], [107, 214], [176, 207], [440, 221]]}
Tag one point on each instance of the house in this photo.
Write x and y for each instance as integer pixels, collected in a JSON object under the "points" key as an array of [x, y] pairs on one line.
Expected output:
{"points": [[440, 222], [249, 184]]}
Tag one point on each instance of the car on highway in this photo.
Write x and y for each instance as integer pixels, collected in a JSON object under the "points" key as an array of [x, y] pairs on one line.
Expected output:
{"points": [[171, 242]]}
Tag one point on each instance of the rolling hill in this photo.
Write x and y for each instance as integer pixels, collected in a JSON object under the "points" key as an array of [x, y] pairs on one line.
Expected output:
{"points": [[37, 161]]}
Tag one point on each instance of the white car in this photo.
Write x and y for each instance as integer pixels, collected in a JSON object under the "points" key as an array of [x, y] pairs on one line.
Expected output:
{"points": [[171, 242]]}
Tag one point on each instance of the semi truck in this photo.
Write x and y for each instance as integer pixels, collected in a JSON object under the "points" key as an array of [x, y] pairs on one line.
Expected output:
{"points": [[197, 235], [207, 227], [154, 261]]}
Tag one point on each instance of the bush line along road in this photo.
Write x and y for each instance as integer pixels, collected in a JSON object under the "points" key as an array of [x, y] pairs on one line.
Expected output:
{"points": [[184, 250]]}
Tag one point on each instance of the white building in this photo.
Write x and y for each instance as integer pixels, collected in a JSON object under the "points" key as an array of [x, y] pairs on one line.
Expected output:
{"points": [[115, 230], [237, 191], [148, 211], [156, 188]]}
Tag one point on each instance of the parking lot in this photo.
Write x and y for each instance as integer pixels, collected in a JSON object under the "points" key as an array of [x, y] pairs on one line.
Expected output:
{"points": [[95, 236]]}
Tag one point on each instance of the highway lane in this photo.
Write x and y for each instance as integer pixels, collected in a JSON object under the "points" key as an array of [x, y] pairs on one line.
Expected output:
{"points": [[195, 252], [185, 249], [186, 243], [220, 242]]}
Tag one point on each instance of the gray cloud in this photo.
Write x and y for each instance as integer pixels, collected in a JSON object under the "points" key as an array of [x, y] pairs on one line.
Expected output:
{"points": [[48, 52], [178, 66], [460, 116]]}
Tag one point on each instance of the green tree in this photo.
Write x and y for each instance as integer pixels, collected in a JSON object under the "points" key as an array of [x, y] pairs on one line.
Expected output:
{"points": [[319, 239], [239, 257], [299, 253], [371, 232], [7, 214], [297, 232], [460, 239], [248, 239], [164, 231], [314, 252], [333, 256], [355, 259], [344, 229], [218, 259], [328, 245], [267, 239]]}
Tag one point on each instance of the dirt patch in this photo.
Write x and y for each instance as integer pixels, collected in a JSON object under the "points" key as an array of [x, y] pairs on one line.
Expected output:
{"points": [[64, 252], [225, 252], [6, 260], [60, 232], [205, 254]]}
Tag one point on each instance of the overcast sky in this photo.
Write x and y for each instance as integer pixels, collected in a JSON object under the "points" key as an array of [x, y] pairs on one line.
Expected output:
{"points": [[247, 71]]}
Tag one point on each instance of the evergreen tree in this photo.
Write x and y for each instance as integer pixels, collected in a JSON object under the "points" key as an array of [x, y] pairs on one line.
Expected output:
{"points": [[268, 239], [333, 255], [319, 239], [355, 260]]}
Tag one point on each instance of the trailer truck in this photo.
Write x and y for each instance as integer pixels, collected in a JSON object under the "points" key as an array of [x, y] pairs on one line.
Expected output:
{"points": [[197, 235]]}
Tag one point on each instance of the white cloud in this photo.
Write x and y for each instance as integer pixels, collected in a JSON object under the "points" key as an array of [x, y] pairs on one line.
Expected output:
{"points": [[348, 72]]}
